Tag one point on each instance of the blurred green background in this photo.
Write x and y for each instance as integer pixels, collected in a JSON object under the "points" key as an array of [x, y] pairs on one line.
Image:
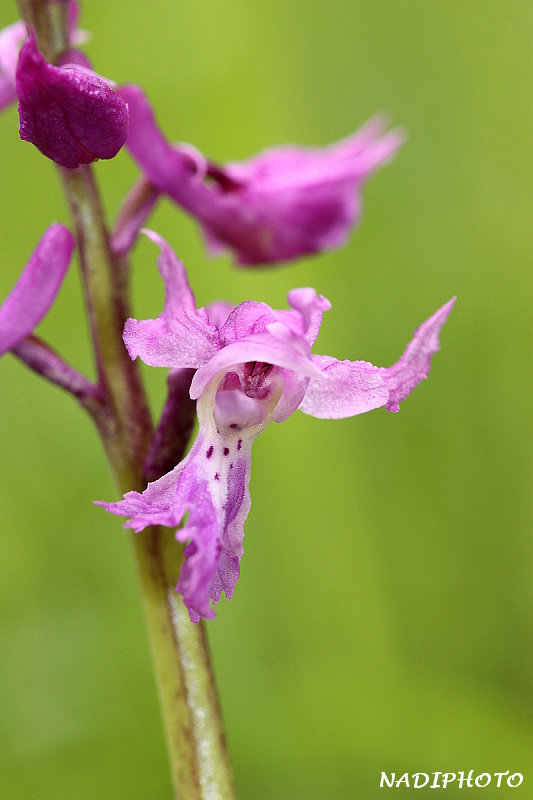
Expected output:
{"points": [[382, 619]]}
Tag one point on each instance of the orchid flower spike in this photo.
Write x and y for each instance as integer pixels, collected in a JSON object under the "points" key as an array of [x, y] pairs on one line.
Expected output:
{"points": [[283, 203], [11, 39], [37, 286], [70, 114], [253, 365]]}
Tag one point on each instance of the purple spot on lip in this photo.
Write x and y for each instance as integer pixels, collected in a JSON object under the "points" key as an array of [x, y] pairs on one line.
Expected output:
{"points": [[239, 443], [210, 452], [217, 476], [236, 488], [226, 451], [234, 425]]}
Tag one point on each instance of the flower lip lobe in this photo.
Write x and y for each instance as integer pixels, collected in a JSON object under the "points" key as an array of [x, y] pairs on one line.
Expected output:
{"points": [[72, 116]]}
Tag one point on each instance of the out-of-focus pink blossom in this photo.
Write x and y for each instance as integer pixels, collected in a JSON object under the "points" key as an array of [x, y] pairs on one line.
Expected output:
{"points": [[283, 203]]}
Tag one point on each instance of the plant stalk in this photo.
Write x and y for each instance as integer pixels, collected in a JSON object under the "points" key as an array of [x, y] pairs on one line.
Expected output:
{"points": [[198, 756]]}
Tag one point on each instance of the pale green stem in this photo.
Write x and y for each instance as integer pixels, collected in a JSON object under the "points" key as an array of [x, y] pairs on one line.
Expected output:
{"points": [[49, 20], [198, 755], [126, 429], [197, 752]]}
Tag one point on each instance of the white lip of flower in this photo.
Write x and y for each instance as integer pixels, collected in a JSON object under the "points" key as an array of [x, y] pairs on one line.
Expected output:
{"points": [[231, 421]]}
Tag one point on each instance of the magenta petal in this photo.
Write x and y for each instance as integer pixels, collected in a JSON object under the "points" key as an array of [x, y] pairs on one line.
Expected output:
{"points": [[414, 364], [37, 287], [11, 39], [292, 201], [181, 336], [162, 164], [70, 115], [289, 201]]}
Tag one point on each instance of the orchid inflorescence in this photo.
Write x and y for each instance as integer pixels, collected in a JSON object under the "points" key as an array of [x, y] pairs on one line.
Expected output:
{"points": [[244, 365]]}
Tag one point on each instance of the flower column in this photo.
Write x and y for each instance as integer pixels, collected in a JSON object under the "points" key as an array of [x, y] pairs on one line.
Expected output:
{"points": [[197, 751]]}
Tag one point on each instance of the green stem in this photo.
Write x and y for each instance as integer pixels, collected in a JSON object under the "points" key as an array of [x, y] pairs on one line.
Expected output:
{"points": [[49, 19], [197, 750], [198, 754], [127, 428]]}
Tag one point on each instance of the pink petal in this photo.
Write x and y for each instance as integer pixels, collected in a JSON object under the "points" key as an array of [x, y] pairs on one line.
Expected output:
{"points": [[181, 336], [346, 388], [414, 364], [37, 287], [164, 166], [311, 306], [261, 347], [11, 39], [353, 387]]}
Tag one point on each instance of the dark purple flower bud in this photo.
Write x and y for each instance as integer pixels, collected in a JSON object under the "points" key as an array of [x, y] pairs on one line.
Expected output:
{"points": [[70, 115], [14, 36]]}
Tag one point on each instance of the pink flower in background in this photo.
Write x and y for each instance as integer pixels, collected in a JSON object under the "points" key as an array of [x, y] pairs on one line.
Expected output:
{"points": [[37, 286], [253, 365], [281, 204], [11, 39]]}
